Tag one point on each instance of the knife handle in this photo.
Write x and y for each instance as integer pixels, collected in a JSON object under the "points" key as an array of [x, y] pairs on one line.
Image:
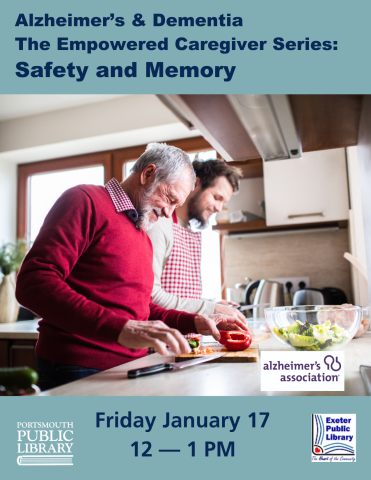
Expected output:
{"points": [[150, 370]]}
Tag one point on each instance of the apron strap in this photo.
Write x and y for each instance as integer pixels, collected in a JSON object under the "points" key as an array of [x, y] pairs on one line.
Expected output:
{"points": [[175, 220]]}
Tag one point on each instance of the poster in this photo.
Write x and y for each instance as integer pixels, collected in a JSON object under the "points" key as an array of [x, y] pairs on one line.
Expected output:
{"points": [[207, 423]]}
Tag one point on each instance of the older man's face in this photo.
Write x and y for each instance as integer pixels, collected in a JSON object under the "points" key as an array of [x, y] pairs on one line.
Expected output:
{"points": [[160, 200]]}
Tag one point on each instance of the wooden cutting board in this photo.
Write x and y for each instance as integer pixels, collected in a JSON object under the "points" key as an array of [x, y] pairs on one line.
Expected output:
{"points": [[246, 356]]}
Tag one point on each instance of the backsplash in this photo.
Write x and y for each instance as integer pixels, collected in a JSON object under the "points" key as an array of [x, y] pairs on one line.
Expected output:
{"points": [[317, 255]]}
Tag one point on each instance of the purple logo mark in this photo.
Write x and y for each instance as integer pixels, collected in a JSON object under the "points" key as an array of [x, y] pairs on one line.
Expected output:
{"points": [[332, 364]]}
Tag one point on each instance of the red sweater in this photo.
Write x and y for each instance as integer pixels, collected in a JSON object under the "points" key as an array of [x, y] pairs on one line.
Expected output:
{"points": [[88, 272]]}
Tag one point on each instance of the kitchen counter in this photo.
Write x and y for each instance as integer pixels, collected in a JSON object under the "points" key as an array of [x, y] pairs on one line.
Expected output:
{"points": [[210, 379], [26, 330]]}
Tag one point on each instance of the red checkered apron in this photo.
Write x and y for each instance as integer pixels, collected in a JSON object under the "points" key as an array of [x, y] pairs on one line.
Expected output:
{"points": [[182, 272]]}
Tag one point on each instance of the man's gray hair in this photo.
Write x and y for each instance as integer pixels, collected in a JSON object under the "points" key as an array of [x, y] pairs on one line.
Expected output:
{"points": [[170, 162]]}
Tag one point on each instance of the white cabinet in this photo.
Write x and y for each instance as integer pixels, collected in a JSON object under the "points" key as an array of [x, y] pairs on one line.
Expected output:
{"points": [[312, 189]]}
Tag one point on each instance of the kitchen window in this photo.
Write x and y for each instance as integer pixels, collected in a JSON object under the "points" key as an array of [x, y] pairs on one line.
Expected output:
{"points": [[46, 188], [127, 167], [41, 183]]}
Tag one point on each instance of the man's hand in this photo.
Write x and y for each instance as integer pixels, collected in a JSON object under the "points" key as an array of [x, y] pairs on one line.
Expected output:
{"points": [[211, 324], [229, 304], [229, 311], [153, 334]]}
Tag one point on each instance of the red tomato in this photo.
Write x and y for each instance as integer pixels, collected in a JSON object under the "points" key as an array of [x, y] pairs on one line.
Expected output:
{"points": [[238, 341]]}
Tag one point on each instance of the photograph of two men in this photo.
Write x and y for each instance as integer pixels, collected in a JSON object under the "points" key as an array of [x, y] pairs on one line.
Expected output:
{"points": [[159, 244]]}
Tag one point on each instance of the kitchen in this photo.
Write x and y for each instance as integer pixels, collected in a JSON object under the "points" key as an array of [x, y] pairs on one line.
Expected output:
{"points": [[267, 249]]}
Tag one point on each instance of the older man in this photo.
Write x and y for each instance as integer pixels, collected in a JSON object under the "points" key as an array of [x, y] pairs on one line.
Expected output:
{"points": [[89, 273], [177, 249]]}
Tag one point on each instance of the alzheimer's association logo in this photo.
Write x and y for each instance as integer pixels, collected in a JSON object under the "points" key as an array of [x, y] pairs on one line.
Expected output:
{"points": [[333, 437]]}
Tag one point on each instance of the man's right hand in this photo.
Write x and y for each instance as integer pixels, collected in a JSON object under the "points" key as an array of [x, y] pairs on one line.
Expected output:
{"points": [[154, 334], [231, 312]]}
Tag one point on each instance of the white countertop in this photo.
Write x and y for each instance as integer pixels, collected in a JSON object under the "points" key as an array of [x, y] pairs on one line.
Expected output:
{"points": [[210, 379], [26, 330]]}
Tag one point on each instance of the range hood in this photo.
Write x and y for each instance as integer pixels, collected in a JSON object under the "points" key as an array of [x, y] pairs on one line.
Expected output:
{"points": [[240, 127], [269, 122], [246, 128]]}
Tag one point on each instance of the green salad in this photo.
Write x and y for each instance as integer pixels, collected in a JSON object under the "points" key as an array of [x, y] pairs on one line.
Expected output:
{"points": [[305, 336]]}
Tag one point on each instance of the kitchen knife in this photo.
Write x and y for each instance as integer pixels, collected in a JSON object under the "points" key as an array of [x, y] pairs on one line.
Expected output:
{"points": [[250, 307], [172, 366]]}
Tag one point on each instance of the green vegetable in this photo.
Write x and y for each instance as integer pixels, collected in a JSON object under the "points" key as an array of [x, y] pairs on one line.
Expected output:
{"points": [[308, 330], [337, 330], [302, 340], [293, 328], [193, 343], [280, 333], [326, 343], [19, 377], [305, 336]]}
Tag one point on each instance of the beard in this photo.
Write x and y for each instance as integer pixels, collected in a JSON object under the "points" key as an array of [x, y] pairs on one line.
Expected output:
{"points": [[145, 208], [195, 212]]}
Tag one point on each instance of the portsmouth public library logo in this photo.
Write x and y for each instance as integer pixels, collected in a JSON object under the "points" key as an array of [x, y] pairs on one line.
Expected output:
{"points": [[333, 437], [44, 443]]}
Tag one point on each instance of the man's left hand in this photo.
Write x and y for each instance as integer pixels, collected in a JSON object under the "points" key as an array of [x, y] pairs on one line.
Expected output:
{"points": [[211, 324], [227, 303]]}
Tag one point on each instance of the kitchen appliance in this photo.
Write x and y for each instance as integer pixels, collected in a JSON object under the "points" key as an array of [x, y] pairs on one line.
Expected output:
{"points": [[172, 366], [270, 124], [237, 294], [319, 296], [266, 292]]}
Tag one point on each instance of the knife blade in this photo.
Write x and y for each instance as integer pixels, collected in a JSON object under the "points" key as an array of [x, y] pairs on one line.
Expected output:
{"points": [[139, 372], [250, 307]]}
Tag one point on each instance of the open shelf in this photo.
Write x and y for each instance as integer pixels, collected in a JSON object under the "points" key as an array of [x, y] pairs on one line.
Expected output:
{"points": [[250, 168], [261, 226]]}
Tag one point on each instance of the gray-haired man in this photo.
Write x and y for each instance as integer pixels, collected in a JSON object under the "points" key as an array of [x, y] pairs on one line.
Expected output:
{"points": [[89, 273]]}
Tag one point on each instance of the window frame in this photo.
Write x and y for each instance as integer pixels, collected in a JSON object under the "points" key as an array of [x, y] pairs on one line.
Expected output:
{"points": [[27, 170]]}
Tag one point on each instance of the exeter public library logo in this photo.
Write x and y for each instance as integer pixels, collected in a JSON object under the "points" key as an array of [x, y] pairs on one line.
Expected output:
{"points": [[333, 437], [44, 444]]}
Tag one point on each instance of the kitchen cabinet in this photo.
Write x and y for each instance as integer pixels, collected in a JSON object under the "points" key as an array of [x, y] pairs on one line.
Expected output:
{"points": [[17, 344], [260, 226], [18, 353], [313, 189]]}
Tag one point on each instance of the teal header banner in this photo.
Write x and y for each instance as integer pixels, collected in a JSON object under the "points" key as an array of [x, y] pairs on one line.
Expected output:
{"points": [[193, 47]]}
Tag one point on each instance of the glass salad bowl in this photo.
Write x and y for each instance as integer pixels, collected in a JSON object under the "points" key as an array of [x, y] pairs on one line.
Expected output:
{"points": [[314, 327]]}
